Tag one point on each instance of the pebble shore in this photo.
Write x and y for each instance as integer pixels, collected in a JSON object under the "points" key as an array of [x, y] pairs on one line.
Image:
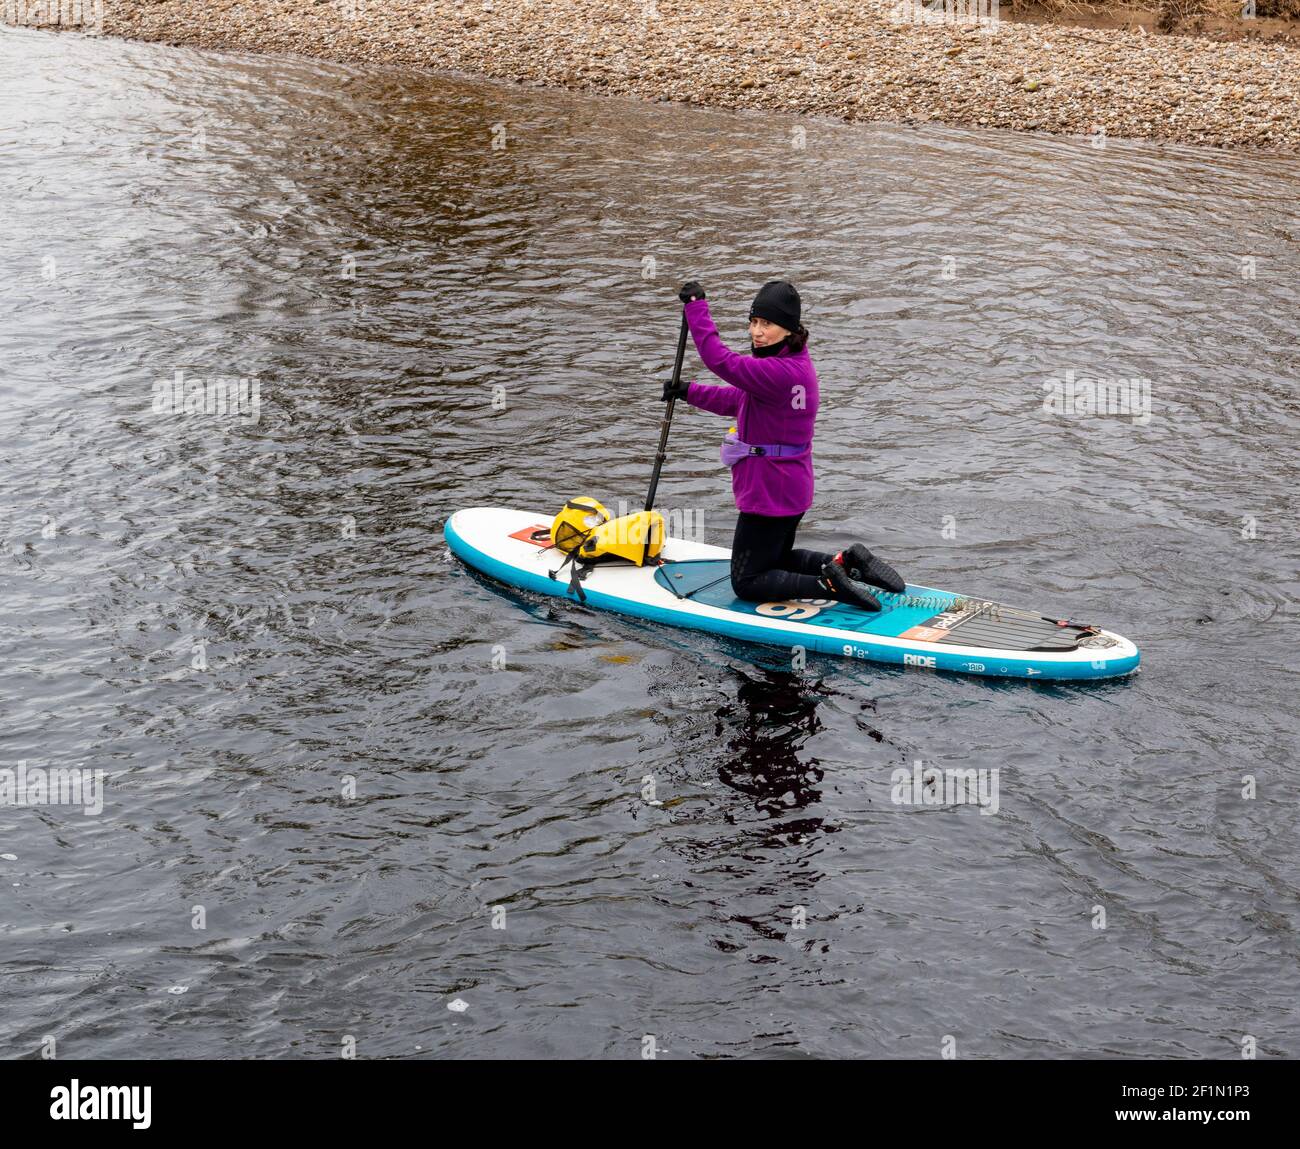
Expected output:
{"points": [[858, 61]]}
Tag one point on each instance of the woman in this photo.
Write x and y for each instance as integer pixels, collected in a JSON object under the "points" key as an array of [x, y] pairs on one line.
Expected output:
{"points": [[772, 394]]}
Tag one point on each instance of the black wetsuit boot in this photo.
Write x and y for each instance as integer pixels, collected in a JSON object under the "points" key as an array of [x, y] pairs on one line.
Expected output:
{"points": [[863, 566], [844, 589]]}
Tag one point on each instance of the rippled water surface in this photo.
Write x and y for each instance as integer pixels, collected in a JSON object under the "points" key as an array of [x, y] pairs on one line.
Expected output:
{"points": [[232, 618]]}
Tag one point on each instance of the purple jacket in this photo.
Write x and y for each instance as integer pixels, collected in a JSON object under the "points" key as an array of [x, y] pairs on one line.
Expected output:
{"points": [[773, 400]]}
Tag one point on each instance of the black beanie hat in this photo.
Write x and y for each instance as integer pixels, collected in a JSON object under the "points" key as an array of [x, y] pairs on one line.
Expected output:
{"points": [[778, 302]]}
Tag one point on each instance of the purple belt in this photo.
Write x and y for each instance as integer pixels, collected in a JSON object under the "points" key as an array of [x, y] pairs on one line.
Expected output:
{"points": [[734, 449]]}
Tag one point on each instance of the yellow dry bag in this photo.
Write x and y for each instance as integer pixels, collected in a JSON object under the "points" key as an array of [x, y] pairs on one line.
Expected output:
{"points": [[583, 529], [575, 522], [626, 537]]}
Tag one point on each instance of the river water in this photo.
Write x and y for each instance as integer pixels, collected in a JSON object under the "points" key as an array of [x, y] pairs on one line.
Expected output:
{"points": [[331, 815]]}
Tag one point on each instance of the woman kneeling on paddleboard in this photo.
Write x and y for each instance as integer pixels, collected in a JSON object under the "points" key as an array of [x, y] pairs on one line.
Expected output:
{"points": [[772, 395]]}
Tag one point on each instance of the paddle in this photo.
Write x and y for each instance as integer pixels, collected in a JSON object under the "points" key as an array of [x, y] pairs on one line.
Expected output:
{"points": [[668, 418]]}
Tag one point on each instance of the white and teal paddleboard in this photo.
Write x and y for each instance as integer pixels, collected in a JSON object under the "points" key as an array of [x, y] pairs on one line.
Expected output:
{"points": [[690, 586]]}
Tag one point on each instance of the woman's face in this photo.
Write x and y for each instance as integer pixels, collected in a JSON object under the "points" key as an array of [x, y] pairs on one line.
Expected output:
{"points": [[763, 332]]}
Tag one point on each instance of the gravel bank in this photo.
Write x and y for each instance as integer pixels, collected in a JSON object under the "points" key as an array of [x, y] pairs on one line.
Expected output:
{"points": [[857, 61]]}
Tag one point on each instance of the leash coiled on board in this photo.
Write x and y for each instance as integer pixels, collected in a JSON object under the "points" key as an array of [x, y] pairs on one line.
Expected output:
{"points": [[892, 599]]}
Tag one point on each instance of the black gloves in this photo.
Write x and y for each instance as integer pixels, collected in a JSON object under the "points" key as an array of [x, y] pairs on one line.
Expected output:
{"points": [[677, 392], [691, 290]]}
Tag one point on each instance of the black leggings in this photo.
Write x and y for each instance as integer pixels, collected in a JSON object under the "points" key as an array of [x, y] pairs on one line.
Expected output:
{"points": [[766, 567]]}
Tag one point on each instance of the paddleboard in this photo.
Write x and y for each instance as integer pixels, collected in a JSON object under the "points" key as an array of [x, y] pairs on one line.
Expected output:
{"points": [[689, 585]]}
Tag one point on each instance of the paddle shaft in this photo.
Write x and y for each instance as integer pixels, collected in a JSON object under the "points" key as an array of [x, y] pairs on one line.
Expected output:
{"points": [[661, 454]]}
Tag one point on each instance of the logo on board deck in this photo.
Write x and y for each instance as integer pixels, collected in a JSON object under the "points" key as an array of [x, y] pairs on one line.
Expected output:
{"points": [[796, 610], [947, 620]]}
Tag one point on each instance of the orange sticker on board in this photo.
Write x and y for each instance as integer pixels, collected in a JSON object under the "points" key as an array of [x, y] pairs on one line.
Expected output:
{"points": [[925, 633], [542, 530]]}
